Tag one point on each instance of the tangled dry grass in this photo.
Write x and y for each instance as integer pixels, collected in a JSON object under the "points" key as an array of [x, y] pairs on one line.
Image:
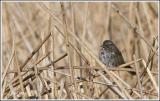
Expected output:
{"points": [[50, 50]]}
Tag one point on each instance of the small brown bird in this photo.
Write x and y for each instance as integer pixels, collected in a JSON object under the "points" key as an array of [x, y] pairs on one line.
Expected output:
{"points": [[111, 56]]}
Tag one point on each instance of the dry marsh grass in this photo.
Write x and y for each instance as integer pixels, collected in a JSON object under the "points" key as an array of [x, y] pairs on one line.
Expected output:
{"points": [[50, 50]]}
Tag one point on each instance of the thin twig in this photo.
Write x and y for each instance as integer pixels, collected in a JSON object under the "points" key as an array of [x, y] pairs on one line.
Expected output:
{"points": [[35, 51], [134, 28], [32, 74], [67, 45]]}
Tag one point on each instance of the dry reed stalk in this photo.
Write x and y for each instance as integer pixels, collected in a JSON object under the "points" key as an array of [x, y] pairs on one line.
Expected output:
{"points": [[78, 40], [149, 63], [54, 92], [68, 47], [108, 21], [97, 60], [134, 28], [84, 73], [12, 91], [82, 45], [19, 28], [32, 74], [76, 59], [139, 80], [9, 63], [83, 30], [151, 77], [6, 19], [3, 89], [32, 67], [20, 76], [114, 89], [76, 49], [75, 67], [150, 60], [125, 84], [34, 51], [44, 72], [148, 18], [88, 50], [99, 96], [130, 35], [29, 24], [53, 15], [79, 67], [144, 46]]}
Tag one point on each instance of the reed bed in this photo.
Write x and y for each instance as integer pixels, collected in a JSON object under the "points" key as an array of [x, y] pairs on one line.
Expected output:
{"points": [[50, 50]]}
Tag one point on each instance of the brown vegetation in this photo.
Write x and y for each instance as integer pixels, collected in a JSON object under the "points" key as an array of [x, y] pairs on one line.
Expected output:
{"points": [[50, 50]]}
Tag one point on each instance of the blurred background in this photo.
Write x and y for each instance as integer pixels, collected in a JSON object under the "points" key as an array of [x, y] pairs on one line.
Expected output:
{"points": [[25, 26]]}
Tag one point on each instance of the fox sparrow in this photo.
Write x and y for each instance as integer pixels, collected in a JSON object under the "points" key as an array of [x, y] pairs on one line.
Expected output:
{"points": [[111, 56]]}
